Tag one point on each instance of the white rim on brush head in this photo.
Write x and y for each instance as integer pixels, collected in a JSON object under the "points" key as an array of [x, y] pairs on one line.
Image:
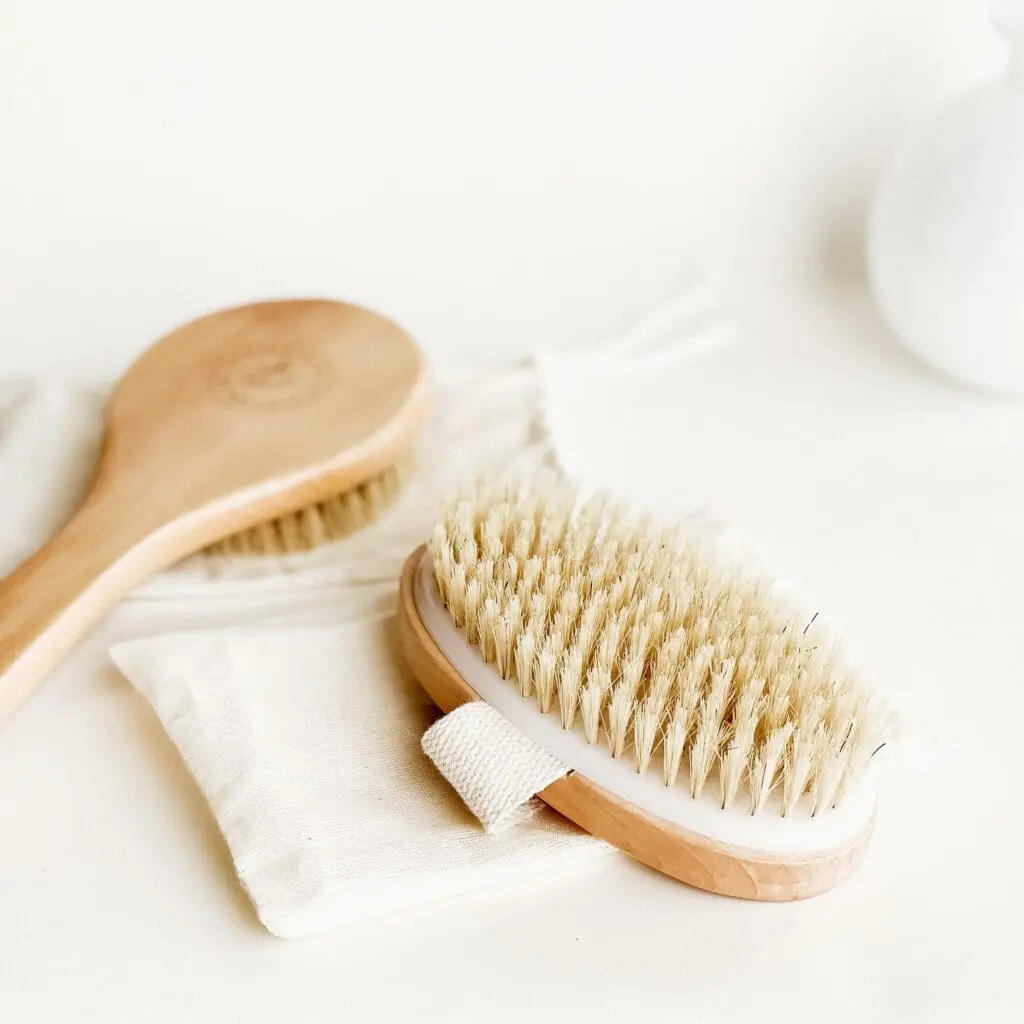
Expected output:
{"points": [[767, 831]]}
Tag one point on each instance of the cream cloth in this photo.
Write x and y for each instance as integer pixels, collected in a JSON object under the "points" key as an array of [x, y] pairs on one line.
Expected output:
{"points": [[306, 743], [49, 437]]}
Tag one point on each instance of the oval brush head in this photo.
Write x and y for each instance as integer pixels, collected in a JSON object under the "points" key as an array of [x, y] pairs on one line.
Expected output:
{"points": [[712, 729]]}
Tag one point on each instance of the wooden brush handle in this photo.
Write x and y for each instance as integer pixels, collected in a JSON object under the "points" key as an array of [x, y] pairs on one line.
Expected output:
{"points": [[49, 602]]}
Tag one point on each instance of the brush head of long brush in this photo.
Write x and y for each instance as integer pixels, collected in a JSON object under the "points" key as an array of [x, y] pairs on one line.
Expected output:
{"points": [[323, 523], [643, 639]]}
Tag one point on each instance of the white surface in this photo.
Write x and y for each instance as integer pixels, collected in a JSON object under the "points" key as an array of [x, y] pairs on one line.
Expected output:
{"points": [[486, 177], [893, 496], [494, 183], [769, 831]]}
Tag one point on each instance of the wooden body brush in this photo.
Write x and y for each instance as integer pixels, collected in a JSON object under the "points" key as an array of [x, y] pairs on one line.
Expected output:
{"points": [[239, 417], [707, 727]]}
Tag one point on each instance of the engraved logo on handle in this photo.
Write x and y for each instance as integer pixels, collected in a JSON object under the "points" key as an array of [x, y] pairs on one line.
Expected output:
{"points": [[269, 375]]}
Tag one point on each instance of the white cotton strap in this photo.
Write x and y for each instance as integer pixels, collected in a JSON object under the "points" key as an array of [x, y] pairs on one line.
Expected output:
{"points": [[493, 767]]}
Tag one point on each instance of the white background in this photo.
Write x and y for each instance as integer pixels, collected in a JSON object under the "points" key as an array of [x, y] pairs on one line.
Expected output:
{"points": [[488, 174], [501, 177]]}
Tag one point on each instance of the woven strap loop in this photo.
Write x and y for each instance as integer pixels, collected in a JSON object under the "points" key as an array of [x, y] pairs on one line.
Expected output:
{"points": [[493, 767]]}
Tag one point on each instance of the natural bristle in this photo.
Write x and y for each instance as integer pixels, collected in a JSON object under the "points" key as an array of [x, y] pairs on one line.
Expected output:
{"points": [[642, 638], [323, 523]]}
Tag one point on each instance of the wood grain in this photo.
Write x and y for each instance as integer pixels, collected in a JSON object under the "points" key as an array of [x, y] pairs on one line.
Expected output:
{"points": [[685, 855], [238, 417]]}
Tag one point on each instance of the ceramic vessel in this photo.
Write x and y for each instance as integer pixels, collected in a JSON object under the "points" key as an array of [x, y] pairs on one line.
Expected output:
{"points": [[945, 247]]}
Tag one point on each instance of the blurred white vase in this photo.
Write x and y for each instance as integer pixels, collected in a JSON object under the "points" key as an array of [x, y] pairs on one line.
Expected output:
{"points": [[945, 248]]}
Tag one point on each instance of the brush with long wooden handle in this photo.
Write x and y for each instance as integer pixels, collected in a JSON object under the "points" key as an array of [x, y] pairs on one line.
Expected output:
{"points": [[242, 416]]}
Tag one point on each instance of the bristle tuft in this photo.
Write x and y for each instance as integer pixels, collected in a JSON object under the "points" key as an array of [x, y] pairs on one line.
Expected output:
{"points": [[323, 523]]}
